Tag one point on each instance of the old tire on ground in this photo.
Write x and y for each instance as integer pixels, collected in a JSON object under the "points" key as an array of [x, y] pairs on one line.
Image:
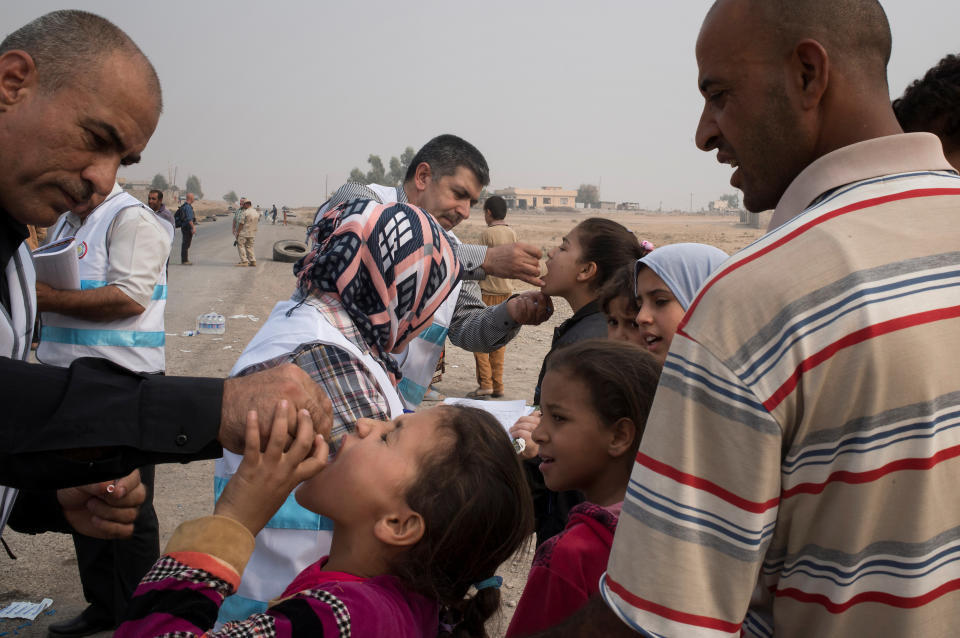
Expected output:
{"points": [[289, 250]]}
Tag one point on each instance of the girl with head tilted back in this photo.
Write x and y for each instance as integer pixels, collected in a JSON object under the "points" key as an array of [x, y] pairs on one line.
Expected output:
{"points": [[373, 280], [424, 506]]}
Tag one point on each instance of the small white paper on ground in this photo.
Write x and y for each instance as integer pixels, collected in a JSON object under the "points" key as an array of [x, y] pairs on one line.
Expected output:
{"points": [[25, 610], [250, 317]]}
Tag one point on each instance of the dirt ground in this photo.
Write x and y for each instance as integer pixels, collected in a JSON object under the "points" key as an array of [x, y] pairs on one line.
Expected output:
{"points": [[46, 565]]}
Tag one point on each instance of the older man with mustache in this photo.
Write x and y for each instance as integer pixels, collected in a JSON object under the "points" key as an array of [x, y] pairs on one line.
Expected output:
{"points": [[78, 99]]}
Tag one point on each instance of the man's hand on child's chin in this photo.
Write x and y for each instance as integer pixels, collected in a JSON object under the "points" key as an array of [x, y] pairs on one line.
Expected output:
{"points": [[265, 479]]}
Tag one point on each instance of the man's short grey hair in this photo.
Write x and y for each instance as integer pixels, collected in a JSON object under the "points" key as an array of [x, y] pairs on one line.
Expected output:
{"points": [[66, 45], [446, 153]]}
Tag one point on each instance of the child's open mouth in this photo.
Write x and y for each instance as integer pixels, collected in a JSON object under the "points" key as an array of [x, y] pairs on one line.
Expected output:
{"points": [[545, 461]]}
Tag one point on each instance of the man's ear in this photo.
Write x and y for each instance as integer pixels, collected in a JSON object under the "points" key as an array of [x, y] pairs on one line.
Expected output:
{"points": [[422, 176], [400, 529], [623, 434], [810, 72], [18, 76], [587, 271]]}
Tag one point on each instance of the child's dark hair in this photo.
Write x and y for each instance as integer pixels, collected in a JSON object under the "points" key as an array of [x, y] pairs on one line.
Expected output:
{"points": [[621, 378], [622, 284], [477, 512], [496, 206], [607, 244]]}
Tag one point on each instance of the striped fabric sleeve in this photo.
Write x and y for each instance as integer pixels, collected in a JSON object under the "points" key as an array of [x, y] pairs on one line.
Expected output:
{"points": [[475, 326], [182, 593], [471, 258], [701, 505]]}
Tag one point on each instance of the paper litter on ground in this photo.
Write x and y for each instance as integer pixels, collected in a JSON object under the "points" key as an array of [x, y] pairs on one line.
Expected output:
{"points": [[250, 317], [25, 610]]}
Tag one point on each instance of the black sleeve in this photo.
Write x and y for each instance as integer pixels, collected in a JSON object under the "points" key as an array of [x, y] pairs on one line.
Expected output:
{"points": [[96, 421], [36, 512]]}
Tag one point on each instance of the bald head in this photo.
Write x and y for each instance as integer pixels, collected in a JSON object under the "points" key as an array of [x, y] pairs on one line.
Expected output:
{"points": [[788, 81], [61, 42], [855, 33]]}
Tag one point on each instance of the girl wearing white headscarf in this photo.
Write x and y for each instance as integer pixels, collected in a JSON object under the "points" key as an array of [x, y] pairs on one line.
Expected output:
{"points": [[667, 283]]}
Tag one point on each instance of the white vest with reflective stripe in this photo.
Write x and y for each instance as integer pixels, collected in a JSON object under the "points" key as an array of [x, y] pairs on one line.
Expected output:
{"points": [[16, 333], [135, 342], [295, 537]]}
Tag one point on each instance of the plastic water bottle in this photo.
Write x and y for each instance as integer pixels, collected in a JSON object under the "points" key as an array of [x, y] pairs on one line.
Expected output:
{"points": [[211, 323]]}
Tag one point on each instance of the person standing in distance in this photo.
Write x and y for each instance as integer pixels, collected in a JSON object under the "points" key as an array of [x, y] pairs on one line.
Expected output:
{"points": [[155, 202], [246, 234], [493, 290], [187, 223]]}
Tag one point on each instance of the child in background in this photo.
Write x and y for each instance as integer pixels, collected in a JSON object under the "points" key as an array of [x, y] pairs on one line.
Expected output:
{"points": [[595, 400], [618, 299], [667, 282], [425, 508], [576, 270]]}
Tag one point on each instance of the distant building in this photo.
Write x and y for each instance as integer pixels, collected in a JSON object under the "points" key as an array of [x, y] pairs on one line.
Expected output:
{"points": [[132, 185], [607, 205], [628, 206], [547, 196], [718, 205]]}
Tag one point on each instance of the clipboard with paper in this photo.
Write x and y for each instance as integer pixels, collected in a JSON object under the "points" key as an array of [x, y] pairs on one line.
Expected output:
{"points": [[58, 265]]}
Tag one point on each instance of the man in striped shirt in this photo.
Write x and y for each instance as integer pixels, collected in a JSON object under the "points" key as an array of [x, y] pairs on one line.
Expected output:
{"points": [[798, 471]]}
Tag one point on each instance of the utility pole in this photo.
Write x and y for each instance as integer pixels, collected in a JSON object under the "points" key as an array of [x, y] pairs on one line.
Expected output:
{"points": [[691, 202]]}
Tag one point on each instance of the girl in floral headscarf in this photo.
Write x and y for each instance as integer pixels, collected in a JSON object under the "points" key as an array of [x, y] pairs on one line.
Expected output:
{"points": [[375, 277]]}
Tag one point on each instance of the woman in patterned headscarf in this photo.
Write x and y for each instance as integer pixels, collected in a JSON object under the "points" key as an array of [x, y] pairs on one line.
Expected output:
{"points": [[372, 282], [390, 265]]}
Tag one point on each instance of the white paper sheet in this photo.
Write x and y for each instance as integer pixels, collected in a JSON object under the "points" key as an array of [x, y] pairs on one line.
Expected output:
{"points": [[28, 611], [506, 412], [57, 264]]}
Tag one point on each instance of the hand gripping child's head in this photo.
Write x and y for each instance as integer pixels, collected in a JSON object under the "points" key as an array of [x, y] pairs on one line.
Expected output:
{"points": [[618, 300], [436, 498]]}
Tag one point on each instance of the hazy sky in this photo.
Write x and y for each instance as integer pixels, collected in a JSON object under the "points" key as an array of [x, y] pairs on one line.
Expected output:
{"points": [[273, 98]]}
